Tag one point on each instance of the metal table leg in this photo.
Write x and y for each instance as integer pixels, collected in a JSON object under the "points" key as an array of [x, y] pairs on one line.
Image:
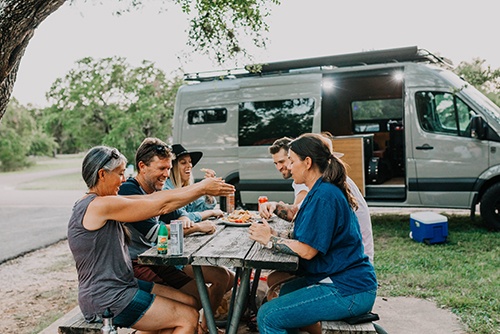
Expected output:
{"points": [[240, 302], [205, 301], [233, 297], [253, 291]]}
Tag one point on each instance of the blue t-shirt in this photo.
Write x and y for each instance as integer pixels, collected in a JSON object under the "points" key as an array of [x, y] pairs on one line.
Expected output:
{"points": [[328, 224]]}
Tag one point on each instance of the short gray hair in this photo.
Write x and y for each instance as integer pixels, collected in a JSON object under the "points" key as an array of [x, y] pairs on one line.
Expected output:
{"points": [[100, 157]]}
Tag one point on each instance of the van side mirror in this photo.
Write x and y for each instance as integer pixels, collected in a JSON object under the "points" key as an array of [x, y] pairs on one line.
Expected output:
{"points": [[477, 127]]}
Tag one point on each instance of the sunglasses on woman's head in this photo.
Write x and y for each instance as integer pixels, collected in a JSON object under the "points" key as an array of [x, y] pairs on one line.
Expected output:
{"points": [[115, 154]]}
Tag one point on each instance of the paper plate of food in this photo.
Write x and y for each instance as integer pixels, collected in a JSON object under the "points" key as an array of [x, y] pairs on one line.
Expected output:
{"points": [[240, 218]]}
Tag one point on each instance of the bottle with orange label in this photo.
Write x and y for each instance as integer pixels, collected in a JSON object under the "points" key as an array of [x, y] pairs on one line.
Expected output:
{"points": [[162, 244], [262, 199]]}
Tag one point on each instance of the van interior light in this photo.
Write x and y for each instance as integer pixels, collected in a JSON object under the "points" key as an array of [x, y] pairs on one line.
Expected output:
{"points": [[398, 76], [328, 85]]}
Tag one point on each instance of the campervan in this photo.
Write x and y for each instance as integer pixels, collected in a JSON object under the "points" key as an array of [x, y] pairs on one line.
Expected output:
{"points": [[413, 133]]}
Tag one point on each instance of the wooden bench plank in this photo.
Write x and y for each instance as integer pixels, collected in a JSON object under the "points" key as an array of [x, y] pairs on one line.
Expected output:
{"points": [[78, 325], [341, 327]]}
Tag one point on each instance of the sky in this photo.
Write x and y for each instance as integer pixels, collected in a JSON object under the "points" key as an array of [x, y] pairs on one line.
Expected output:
{"points": [[298, 29]]}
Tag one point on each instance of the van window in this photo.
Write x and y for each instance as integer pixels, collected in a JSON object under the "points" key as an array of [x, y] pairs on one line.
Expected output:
{"points": [[203, 116], [375, 115], [261, 123], [443, 113]]}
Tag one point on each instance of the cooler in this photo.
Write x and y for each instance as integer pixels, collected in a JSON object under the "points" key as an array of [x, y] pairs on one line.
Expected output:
{"points": [[428, 227]]}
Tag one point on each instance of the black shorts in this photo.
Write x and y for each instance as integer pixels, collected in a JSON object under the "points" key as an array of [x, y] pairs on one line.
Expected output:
{"points": [[166, 275]]}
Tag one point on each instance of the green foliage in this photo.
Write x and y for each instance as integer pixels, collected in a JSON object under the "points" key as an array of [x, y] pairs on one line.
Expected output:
{"points": [[483, 78], [377, 109], [20, 136], [107, 102], [462, 275], [217, 26]]}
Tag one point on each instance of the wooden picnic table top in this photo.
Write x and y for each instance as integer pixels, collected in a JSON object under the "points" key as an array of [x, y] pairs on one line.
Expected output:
{"points": [[229, 246]]}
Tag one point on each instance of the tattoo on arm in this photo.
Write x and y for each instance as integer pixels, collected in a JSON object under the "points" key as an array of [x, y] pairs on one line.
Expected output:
{"points": [[283, 234], [285, 211], [282, 245]]}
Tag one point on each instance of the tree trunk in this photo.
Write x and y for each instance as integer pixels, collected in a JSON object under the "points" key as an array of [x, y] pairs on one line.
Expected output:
{"points": [[18, 21]]}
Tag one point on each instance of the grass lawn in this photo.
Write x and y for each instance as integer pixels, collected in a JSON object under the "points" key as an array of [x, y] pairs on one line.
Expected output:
{"points": [[462, 275], [61, 161]]}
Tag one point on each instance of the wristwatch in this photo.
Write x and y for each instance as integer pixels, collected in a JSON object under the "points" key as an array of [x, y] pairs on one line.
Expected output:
{"points": [[269, 245]]}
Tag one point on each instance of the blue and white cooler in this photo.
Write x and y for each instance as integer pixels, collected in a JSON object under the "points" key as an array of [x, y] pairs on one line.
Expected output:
{"points": [[428, 227]]}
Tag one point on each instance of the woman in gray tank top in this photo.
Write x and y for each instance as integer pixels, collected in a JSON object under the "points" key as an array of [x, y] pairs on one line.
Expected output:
{"points": [[97, 239]]}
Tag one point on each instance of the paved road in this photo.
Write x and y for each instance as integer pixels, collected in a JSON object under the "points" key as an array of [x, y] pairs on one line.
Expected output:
{"points": [[32, 219]]}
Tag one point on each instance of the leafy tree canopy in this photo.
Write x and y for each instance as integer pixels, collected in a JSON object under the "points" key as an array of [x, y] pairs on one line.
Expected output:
{"points": [[218, 26], [216, 29], [106, 101], [20, 136], [482, 77]]}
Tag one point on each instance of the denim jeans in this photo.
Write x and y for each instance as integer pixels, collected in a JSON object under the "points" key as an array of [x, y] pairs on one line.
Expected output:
{"points": [[301, 305]]}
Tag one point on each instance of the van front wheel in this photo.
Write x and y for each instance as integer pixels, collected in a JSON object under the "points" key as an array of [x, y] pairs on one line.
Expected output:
{"points": [[490, 206]]}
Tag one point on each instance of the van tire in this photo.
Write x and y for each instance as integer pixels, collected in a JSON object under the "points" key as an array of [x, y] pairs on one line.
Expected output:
{"points": [[490, 206]]}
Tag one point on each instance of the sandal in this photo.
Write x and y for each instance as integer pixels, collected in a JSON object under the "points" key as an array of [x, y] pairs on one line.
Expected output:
{"points": [[202, 330]]}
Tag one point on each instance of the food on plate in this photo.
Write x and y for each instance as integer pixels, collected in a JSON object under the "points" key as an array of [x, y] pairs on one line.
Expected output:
{"points": [[240, 216]]}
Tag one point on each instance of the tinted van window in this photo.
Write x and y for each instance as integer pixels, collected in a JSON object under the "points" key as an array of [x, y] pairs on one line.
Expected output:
{"points": [[375, 115], [443, 113], [203, 116], [261, 123]]}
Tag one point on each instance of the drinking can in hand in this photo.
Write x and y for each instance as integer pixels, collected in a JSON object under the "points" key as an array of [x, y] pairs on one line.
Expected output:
{"points": [[176, 237], [230, 203]]}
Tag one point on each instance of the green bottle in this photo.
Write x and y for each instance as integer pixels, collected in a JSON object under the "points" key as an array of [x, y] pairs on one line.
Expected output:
{"points": [[162, 239]]}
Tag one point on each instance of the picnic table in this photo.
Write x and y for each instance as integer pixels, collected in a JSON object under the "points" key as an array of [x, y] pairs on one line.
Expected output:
{"points": [[229, 246]]}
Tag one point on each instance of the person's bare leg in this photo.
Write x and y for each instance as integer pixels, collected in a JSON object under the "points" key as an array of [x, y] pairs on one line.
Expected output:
{"points": [[312, 329], [192, 289], [167, 316], [274, 282], [177, 295], [221, 280], [277, 277]]}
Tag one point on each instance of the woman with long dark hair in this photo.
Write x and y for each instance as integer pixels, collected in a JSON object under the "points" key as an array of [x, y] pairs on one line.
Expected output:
{"points": [[97, 238], [335, 279]]}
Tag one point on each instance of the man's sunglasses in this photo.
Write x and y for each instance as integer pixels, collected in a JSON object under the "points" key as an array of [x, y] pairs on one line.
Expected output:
{"points": [[160, 149]]}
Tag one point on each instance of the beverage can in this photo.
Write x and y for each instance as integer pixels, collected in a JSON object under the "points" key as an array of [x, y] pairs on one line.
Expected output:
{"points": [[176, 237], [162, 244], [262, 199], [230, 203]]}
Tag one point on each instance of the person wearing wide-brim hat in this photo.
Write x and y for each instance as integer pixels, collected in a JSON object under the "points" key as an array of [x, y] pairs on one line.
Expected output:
{"points": [[182, 175], [180, 151], [202, 208]]}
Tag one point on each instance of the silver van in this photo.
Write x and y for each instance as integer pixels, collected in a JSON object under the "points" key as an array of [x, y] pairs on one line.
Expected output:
{"points": [[413, 133]]}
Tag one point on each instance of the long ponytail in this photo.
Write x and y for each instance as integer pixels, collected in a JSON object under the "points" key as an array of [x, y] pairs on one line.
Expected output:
{"points": [[333, 169]]}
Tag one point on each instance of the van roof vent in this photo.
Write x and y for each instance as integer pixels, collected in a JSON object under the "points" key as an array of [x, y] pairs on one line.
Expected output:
{"points": [[406, 54]]}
